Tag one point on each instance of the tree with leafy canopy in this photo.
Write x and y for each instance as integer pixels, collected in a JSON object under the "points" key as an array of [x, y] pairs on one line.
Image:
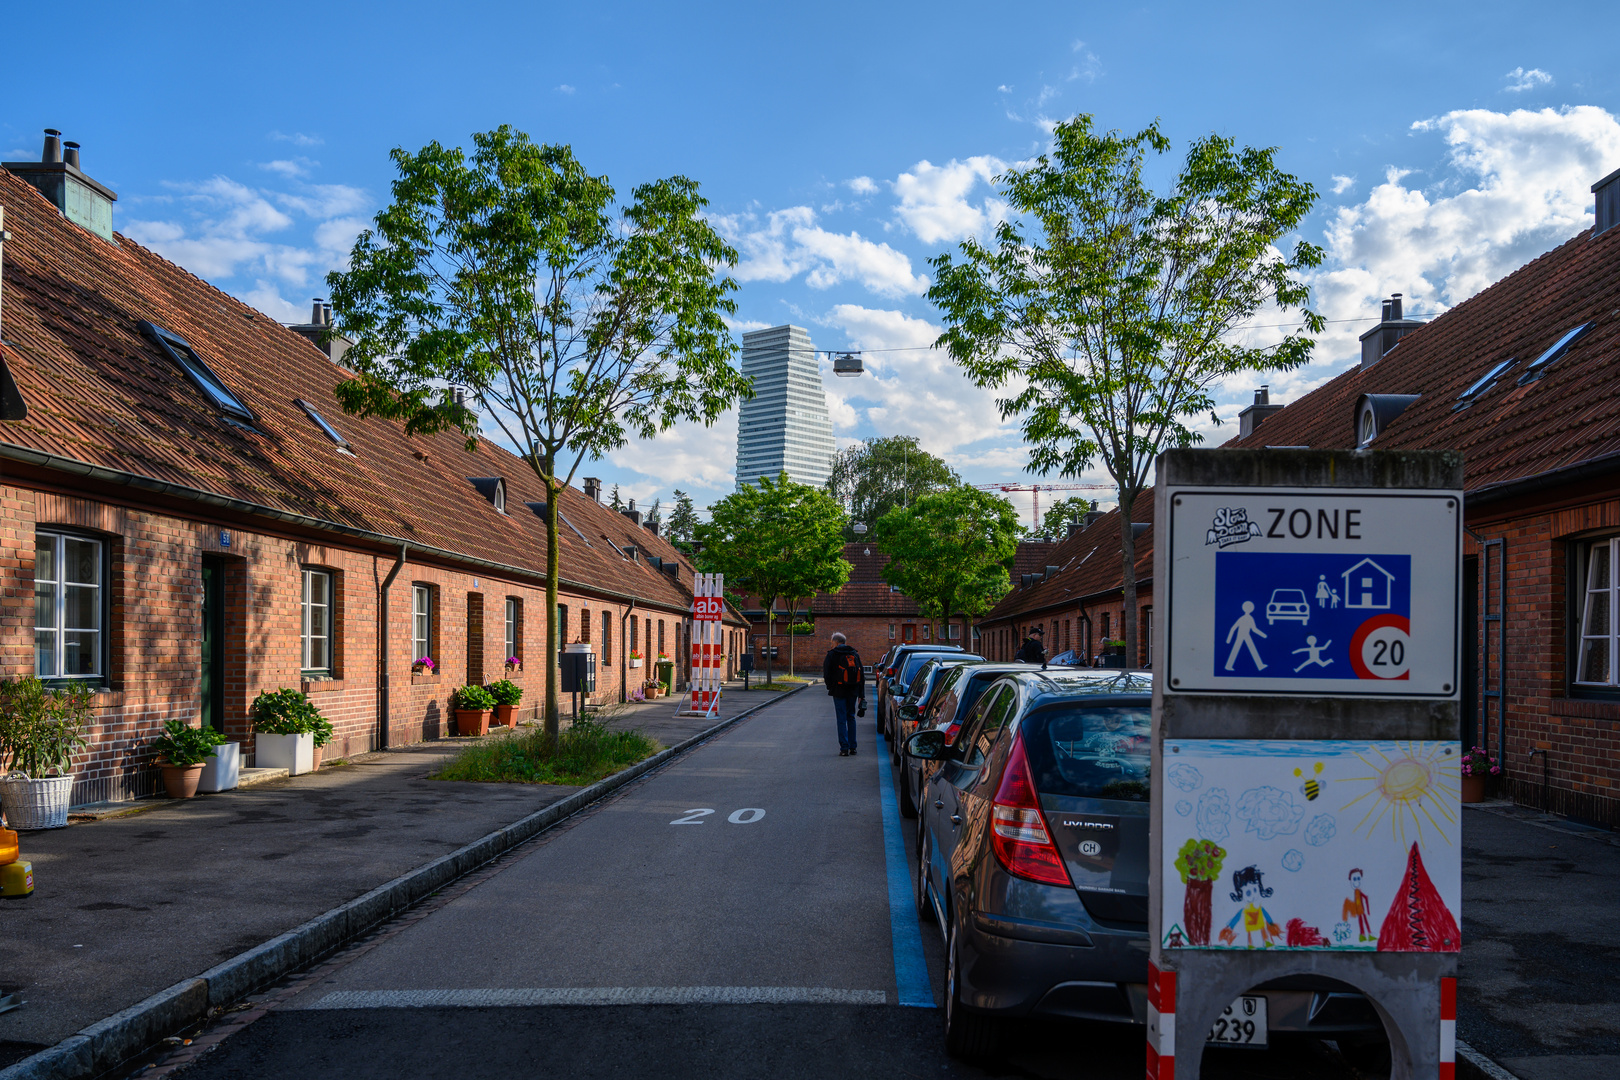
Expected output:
{"points": [[1061, 516], [776, 540], [950, 551], [615, 503], [874, 476], [655, 515], [574, 327], [682, 520], [1111, 312]]}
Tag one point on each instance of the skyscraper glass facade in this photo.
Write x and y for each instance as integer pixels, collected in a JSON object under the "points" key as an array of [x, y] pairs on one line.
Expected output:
{"points": [[786, 425]]}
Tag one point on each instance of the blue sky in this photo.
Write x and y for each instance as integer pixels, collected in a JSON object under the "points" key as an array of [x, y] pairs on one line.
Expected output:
{"points": [[841, 146]]}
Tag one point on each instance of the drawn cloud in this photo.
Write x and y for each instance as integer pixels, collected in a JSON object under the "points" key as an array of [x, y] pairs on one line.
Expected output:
{"points": [[1183, 807], [1293, 859], [1321, 829], [1185, 777], [1214, 814], [1270, 812]]}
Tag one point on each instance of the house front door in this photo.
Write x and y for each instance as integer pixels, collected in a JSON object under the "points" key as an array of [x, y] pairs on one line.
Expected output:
{"points": [[908, 633], [212, 680]]}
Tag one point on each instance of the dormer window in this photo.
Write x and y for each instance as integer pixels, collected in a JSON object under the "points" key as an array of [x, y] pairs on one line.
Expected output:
{"points": [[197, 370], [320, 422], [1369, 427], [492, 488], [1375, 412], [1538, 367]]}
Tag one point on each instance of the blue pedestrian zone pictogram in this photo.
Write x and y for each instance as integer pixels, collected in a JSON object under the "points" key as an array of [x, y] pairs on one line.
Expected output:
{"points": [[1312, 616]]}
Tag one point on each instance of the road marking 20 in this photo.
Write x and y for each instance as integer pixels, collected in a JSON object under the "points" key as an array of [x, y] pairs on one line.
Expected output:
{"points": [[746, 816]]}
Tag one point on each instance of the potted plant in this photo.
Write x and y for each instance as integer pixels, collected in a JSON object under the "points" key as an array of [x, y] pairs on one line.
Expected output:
{"points": [[652, 689], [288, 730], [634, 659], [1114, 653], [180, 752], [472, 705], [506, 694], [40, 731], [1476, 767], [513, 663], [423, 665]]}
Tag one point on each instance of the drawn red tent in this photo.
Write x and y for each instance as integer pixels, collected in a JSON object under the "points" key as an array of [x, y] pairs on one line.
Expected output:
{"points": [[1418, 920]]}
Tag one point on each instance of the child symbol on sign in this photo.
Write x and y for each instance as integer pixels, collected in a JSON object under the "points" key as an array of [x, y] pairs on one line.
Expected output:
{"points": [[1315, 651]]}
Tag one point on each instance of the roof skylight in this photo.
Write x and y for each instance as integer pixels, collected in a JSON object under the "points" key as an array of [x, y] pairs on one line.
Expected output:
{"points": [[320, 422], [1485, 382], [201, 375], [1538, 367]]}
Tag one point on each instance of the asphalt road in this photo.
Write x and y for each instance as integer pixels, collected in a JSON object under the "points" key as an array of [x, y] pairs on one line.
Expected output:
{"points": [[728, 916]]}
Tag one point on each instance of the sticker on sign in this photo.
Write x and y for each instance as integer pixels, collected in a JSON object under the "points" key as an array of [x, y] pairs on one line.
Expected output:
{"points": [[1281, 591]]}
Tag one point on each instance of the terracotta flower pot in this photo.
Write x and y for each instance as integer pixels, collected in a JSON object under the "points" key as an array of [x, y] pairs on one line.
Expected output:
{"points": [[180, 781], [472, 721], [503, 715], [1473, 788]]}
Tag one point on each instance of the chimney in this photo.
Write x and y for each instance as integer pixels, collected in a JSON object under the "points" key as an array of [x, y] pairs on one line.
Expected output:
{"points": [[319, 326], [632, 513], [651, 526], [80, 199], [593, 489], [326, 314], [1255, 414], [1092, 516], [317, 314], [1606, 194], [1392, 326]]}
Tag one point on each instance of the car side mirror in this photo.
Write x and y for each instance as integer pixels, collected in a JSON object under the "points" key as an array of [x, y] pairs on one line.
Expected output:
{"points": [[927, 745]]}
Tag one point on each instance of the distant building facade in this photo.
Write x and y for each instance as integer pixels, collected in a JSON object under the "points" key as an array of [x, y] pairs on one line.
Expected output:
{"points": [[785, 425]]}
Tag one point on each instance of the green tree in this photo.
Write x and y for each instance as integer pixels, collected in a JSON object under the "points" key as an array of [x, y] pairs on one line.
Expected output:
{"points": [[655, 516], [682, 520], [1110, 312], [1061, 515], [949, 551], [573, 327], [614, 501], [873, 477], [777, 540]]}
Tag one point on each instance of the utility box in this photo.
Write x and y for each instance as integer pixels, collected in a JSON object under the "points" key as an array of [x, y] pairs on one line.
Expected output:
{"points": [[578, 664], [1306, 805]]}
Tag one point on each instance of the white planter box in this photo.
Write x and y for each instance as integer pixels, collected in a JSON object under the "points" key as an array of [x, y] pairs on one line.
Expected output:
{"points": [[223, 771], [635, 661], [295, 753]]}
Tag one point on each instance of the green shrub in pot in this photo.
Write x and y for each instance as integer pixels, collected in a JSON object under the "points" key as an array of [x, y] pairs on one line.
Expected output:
{"points": [[289, 712], [505, 692], [473, 699], [40, 729], [181, 745]]}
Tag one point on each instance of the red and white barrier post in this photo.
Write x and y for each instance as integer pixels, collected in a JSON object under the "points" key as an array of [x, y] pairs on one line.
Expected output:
{"points": [[708, 649]]}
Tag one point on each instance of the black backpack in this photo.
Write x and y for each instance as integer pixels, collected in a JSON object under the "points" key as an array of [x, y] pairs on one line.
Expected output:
{"points": [[846, 672]]}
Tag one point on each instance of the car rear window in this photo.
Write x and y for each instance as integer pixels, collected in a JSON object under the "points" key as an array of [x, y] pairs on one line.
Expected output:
{"points": [[1091, 751]]}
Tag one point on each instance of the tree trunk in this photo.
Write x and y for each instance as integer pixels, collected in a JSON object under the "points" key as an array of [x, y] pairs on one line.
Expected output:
{"points": [[1195, 912], [1127, 548], [553, 726]]}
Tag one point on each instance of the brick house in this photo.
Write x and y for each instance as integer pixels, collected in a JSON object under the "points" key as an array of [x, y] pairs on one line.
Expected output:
{"points": [[1524, 380], [187, 517]]}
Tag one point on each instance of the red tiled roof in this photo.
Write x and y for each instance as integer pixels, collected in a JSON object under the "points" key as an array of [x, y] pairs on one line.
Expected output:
{"points": [[99, 392], [1570, 415], [1088, 566]]}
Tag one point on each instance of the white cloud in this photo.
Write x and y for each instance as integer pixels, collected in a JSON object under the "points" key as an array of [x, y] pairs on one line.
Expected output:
{"points": [[297, 138], [1342, 184], [1004, 88], [862, 185], [934, 199], [1088, 66], [294, 169], [566, 89], [699, 460], [791, 243], [1521, 80]]}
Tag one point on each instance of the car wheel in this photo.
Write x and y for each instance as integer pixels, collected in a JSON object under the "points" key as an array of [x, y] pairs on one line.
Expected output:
{"points": [[925, 907], [908, 804], [971, 1036]]}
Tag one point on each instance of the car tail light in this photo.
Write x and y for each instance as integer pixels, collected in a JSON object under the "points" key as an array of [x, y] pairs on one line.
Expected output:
{"points": [[1018, 833], [952, 730]]}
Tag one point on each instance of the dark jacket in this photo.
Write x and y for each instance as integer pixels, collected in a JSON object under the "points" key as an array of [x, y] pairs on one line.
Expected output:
{"points": [[841, 656], [1031, 652]]}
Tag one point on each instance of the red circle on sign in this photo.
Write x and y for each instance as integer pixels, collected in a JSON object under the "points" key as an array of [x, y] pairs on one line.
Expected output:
{"points": [[1377, 622]]}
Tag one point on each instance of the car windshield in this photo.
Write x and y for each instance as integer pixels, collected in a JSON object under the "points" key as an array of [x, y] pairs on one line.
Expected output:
{"points": [[915, 661], [1090, 751]]}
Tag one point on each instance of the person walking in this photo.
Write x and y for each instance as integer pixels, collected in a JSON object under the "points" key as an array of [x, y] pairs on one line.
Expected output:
{"points": [[846, 685], [1033, 650]]}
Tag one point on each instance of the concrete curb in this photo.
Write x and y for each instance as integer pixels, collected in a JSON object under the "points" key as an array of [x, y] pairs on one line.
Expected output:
{"points": [[108, 1043]]}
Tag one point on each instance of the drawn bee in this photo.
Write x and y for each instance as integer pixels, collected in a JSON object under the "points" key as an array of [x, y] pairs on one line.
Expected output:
{"points": [[1312, 787]]}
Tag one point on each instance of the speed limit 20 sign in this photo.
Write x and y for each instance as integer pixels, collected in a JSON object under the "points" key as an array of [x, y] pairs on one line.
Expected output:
{"points": [[1301, 592]]}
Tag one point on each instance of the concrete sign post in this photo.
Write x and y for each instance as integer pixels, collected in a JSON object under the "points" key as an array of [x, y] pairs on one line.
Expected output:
{"points": [[1306, 781]]}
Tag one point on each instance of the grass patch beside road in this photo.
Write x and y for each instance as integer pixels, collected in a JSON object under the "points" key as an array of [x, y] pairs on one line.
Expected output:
{"points": [[584, 754]]}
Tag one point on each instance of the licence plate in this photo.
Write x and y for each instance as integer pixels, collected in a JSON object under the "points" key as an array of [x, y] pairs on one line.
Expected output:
{"points": [[1242, 1024]]}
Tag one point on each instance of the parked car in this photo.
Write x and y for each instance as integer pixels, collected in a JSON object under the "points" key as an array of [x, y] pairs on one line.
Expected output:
{"points": [[1068, 658], [952, 698], [904, 708], [1033, 861], [886, 679]]}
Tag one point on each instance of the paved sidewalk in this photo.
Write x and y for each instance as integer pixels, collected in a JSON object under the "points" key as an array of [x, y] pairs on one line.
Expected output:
{"points": [[131, 904], [1537, 990]]}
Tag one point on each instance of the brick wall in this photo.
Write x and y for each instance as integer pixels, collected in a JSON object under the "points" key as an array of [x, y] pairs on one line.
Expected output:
{"points": [[154, 627]]}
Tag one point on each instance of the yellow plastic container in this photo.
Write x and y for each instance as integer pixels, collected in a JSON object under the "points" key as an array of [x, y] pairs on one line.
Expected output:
{"points": [[8, 847], [16, 879]]}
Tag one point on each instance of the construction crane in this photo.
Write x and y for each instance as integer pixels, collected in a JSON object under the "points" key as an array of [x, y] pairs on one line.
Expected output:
{"points": [[1036, 489]]}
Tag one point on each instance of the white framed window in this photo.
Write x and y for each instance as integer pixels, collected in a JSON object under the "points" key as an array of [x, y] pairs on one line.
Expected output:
{"points": [[317, 622], [955, 632], [68, 606], [927, 629], [421, 622], [513, 615], [891, 631], [1598, 651]]}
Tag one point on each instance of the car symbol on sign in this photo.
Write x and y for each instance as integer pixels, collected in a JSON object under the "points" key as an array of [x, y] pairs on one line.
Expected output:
{"points": [[1288, 605]]}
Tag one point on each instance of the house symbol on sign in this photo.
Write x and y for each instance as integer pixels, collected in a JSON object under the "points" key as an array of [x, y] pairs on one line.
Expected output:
{"points": [[1366, 585]]}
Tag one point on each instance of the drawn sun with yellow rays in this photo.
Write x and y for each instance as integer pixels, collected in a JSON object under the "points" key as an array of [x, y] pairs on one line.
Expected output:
{"points": [[1416, 783]]}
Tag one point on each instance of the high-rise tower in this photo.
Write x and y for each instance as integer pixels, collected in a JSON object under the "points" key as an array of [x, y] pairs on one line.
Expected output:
{"points": [[785, 425]]}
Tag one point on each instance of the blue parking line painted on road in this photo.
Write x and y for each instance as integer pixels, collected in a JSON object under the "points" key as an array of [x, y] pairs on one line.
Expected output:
{"points": [[910, 969]]}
